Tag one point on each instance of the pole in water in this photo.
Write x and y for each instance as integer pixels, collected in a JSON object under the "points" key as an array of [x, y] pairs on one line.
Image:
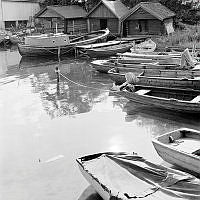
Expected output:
{"points": [[57, 74], [59, 54], [58, 80]]}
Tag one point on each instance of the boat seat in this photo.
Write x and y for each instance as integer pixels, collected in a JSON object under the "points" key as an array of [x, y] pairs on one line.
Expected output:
{"points": [[142, 91], [196, 99]]}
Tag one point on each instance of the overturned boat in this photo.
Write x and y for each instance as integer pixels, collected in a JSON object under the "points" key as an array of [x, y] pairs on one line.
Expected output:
{"points": [[123, 176], [59, 43]]}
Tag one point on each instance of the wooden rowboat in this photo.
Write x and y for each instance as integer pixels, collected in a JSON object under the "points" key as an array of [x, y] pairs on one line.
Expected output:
{"points": [[123, 176], [147, 56], [176, 99], [45, 45], [109, 50], [105, 65], [180, 147], [154, 75], [161, 78]]}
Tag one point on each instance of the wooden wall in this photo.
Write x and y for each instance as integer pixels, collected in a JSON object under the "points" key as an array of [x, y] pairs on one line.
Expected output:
{"points": [[94, 24], [102, 12], [140, 14], [155, 27], [113, 25], [75, 26]]}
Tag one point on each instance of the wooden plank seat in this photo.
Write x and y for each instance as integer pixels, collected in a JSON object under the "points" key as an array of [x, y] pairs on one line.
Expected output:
{"points": [[142, 91], [196, 99]]}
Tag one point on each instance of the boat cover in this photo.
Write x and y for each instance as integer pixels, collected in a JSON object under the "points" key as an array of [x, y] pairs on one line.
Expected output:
{"points": [[129, 176]]}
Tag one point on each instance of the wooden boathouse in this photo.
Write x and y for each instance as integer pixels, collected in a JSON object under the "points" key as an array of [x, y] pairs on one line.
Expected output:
{"points": [[107, 14], [148, 18], [69, 19]]}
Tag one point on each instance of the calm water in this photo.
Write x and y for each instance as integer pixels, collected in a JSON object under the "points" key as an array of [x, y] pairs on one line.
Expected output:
{"points": [[44, 128]]}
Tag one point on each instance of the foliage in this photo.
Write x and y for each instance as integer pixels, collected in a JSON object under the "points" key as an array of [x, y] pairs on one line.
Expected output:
{"points": [[184, 38]]}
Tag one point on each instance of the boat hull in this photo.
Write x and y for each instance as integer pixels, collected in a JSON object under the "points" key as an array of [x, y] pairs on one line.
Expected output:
{"points": [[108, 51], [180, 158], [162, 102], [30, 51], [33, 51], [186, 79], [123, 176]]}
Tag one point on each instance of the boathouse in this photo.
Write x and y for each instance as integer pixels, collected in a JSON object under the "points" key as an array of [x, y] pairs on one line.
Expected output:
{"points": [[14, 13], [69, 19], [107, 14], [148, 18]]}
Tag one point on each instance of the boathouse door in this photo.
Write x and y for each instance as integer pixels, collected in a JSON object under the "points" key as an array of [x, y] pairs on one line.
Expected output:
{"points": [[143, 26], [103, 23]]}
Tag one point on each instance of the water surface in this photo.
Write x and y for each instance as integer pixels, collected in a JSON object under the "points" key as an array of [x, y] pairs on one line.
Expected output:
{"points": [[44, 127]]}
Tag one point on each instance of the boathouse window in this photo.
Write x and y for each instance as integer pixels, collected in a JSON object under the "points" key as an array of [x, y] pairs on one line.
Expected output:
{"points": [[103, 23], [10, 24]]}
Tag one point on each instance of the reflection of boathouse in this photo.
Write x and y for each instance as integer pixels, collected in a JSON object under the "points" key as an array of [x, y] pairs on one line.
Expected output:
{"points": [[106, 14], [70, 19], [148, 18]]}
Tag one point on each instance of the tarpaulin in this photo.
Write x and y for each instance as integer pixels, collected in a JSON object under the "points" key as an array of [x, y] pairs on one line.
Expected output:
{"points": [[131, 176]]}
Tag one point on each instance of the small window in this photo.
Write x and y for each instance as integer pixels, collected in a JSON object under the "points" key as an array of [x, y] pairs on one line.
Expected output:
{"points": [[10, 24]]}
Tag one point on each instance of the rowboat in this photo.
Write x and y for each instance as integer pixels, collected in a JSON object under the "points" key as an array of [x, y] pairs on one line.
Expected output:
{"points": [[176, 99], [154, 56], [165, 78], [109, 50], [105, 65], [101, 44], [54, 44], [123, 176], [180, 147], [144, 47]]}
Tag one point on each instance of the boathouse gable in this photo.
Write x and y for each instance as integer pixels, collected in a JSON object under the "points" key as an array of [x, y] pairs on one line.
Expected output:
{"points": [[69, 19], [107, 14], [148, 18]]}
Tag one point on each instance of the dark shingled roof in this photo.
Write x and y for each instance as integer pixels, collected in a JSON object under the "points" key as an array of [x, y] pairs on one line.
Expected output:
{"points": [[156, 9], [67, 12], [116, 7]]}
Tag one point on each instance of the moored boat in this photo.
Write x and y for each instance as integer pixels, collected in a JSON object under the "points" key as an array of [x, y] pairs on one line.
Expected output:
{"points": [[144, 47], [54, 44], [124, 176], [180, 147], [105, 65], [176, 99], [167, 78], [109, 50]]}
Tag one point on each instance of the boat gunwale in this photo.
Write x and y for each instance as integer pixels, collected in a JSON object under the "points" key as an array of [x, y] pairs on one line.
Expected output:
{"points": [[156, 141]]}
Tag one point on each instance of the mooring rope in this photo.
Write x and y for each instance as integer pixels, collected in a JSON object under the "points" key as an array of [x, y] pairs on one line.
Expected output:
{"points": [[85, 86]]}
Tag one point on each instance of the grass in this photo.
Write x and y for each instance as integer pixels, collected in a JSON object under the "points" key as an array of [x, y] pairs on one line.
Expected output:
{"points": [[185, 38]]}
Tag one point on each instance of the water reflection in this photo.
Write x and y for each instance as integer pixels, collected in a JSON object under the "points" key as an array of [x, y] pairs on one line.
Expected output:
{"points": [[8, 59], [75, 94], [159, 120]]}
